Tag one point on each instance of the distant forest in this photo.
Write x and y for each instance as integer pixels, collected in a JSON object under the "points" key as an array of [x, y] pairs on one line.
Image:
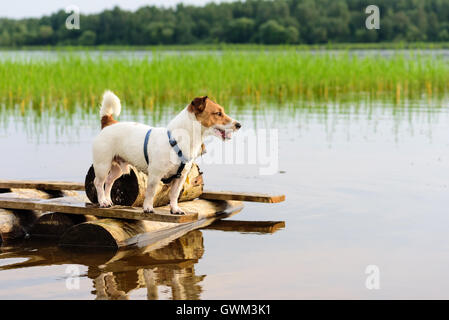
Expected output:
{"points": [[251, 21]]}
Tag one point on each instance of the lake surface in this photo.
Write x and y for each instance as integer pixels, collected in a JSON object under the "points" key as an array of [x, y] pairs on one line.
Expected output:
{"points": [[49, 55], [365, 184]]}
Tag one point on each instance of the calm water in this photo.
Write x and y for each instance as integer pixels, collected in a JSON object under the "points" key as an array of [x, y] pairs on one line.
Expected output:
{"points": [[365, 185], [147, 54]]}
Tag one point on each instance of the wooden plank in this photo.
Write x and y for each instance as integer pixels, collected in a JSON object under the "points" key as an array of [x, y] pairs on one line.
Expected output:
{"points": [[78, 186], [41, 185], [160, 214], [242, 196], [247, 226]]}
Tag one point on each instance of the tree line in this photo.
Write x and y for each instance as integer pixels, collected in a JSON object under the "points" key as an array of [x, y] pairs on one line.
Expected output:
{"points": [[250, 21]]}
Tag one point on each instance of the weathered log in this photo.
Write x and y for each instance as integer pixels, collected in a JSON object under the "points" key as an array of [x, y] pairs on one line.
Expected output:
{"points": [[117, 233], [54, 224], [129, 189], [15, 224]]}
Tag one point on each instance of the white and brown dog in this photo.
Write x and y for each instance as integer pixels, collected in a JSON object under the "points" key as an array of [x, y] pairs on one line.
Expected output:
{"points": [[167, 154]]}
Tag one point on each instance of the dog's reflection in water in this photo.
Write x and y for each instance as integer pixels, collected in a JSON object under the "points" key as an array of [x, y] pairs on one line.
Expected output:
{"points": [[169, 273], [159, 282]]}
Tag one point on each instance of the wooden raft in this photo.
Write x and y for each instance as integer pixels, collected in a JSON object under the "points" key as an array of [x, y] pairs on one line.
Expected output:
{"points": [[67, 215], [98, 232]]}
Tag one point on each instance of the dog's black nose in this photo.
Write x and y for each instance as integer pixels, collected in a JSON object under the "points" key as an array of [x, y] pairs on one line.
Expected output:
{"points": [[238, 125]]}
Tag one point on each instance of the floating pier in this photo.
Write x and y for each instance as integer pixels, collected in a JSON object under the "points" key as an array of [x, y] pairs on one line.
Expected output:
{"points": [[61, 210]]}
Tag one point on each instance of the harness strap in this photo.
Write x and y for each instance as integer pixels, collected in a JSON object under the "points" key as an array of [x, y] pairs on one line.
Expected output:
{"points": [[145, 146], [175, 176], [174, 145], [184, 160]]}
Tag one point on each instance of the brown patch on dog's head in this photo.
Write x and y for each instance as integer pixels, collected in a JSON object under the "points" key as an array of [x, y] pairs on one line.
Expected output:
{"points": [[197, 105], [107, 121], [208, 112]]}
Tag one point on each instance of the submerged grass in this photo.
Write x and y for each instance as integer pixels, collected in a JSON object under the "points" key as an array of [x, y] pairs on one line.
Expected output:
{"points": [[62, 84]]}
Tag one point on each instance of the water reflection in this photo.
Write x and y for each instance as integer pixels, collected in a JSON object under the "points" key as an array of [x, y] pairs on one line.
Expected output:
{"points": [[115, 275], [165, 272], [78, 124], [171, 267]]}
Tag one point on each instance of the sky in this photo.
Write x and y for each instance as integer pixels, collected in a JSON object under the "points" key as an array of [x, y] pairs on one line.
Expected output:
{"points": [[37, 8]]}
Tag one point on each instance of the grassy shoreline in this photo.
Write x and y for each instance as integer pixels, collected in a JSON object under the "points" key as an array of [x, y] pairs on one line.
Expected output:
{"points": [[233, 76]]}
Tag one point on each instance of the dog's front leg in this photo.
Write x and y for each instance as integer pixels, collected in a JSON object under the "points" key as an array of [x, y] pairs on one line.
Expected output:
{"points": [[175, 191], [152, 184]]}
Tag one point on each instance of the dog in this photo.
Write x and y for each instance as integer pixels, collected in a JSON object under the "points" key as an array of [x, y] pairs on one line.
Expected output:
{"points": [[166, 154]]}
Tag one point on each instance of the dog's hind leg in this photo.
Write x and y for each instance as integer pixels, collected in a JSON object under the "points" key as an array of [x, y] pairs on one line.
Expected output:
{"points": [[101, 173], [115, 173]]}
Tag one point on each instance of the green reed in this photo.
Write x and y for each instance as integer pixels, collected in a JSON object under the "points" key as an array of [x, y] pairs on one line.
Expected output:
{"points": [[73, 80]]}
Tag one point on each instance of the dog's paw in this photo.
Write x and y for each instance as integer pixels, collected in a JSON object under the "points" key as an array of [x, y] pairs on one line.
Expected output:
{"points": [[148, 210], [177, 212], [105, 204]]}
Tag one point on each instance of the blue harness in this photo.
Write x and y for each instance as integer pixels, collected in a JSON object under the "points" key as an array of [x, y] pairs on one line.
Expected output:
{"points": [[174, 145]]}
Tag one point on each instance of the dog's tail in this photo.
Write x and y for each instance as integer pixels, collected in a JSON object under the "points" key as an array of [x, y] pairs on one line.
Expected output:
{"points": [[109, 107]]}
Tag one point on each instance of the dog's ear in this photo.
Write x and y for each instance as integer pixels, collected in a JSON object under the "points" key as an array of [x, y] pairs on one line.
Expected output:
{"points": [[198, 105]]}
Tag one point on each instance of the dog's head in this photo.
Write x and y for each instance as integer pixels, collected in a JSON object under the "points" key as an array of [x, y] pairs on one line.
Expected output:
{"points": [[213, 118]]}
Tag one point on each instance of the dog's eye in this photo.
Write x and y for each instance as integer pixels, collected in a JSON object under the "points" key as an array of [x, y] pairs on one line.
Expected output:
{"points": [[218, 113]]}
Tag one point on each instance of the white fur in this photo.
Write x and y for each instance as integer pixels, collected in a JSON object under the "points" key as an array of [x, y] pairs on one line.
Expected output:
{"points": [[122, 143], [110, 105]]}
